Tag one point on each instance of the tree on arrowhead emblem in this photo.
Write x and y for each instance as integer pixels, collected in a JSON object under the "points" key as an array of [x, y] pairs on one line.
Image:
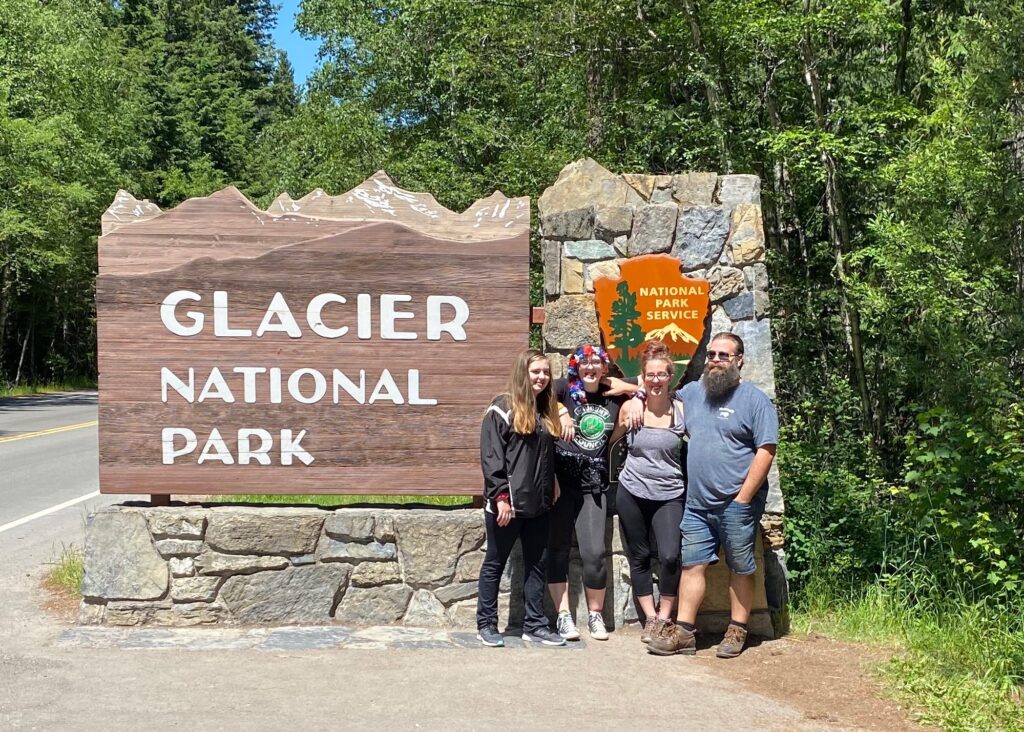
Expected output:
{"points": [[626, 332]]}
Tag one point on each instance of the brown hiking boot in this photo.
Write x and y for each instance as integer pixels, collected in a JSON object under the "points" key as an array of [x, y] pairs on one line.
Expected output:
{"points": [[673, 639], [651, 628], [732, 645]]}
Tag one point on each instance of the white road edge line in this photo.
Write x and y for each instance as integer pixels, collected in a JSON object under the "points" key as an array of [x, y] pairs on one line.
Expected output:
{"points": [[47, 511]]}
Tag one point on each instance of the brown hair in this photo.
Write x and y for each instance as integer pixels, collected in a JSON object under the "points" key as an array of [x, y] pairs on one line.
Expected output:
{"points": [[655, 350], [731, 337], [523, 404]]}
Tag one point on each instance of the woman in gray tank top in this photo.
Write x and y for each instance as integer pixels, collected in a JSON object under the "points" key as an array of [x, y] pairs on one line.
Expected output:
{"points": [[652, 489]]}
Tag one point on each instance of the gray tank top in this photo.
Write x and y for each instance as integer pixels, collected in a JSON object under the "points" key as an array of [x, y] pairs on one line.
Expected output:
{"points": [[653, 468]]}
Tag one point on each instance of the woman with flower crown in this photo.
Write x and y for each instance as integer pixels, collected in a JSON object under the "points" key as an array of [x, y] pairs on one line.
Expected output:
{"points": [[588, 409]]}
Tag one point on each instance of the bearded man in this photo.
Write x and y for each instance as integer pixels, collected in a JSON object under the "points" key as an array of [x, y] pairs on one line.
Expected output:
{"points": [[733, 429]]}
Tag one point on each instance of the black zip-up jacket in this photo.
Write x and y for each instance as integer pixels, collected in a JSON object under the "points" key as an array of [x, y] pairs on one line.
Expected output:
{"points": [[523, 465]]}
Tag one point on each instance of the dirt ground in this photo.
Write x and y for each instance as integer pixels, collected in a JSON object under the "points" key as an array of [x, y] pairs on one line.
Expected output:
{"points": [[828, 680]]}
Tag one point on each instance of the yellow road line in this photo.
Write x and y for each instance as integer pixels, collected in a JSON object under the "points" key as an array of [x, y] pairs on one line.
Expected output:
{"points": [[51, 431]]}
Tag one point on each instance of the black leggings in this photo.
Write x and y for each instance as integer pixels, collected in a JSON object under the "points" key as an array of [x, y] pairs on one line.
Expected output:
{"points": [[586, 512], [637, 516]]}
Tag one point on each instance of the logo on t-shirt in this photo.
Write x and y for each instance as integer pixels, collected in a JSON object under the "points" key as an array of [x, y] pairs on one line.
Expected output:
{"points": [[725, 412], [594, 421]]}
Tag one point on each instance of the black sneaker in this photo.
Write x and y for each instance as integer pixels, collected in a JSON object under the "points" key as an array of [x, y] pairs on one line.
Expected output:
{"points": [[544, 636], [489, 636]]}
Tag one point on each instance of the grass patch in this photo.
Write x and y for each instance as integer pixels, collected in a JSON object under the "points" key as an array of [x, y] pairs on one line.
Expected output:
{"points": [[67, 571], [345, 500], [960, 664], [29, 389]]}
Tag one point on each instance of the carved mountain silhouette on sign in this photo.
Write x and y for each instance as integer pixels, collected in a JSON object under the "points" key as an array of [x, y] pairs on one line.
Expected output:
{"points": [[671, 332]]}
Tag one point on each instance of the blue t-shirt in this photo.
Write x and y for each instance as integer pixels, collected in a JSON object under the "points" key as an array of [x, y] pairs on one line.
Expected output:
{"points": [[724, 436]]}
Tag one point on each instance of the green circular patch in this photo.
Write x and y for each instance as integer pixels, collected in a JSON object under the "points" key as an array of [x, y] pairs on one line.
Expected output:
{"points": [[591, 426]]}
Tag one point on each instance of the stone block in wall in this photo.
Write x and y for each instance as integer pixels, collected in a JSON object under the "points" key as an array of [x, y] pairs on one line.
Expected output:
{"points": [[178, 547], [746, 235], [736, 189], [740, 307], [572, 276], [463, 614], [720, 322], [294, 595], [468, 569], [696, 188], [372, 574], [332, 550], [242, 531], [574, 224], [559, 363], [591, 250], [181, 566], [120, 559], [586, 183], [701, 235], [642, 184], [654, 228], [758, 363], [176, 523], [621, 244], [756, 276], [457, 592], [210, 563], [551, 256], [373, 605], [725, 282], [775, 503], [661, 195], [600, 269], [194, 589], [425, 611], [716, 598], [431, 543], [612, 221], [351, 525], [569, 320]]}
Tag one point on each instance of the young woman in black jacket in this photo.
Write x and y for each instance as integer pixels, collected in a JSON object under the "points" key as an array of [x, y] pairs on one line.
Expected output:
{"points": [[517, 455]]}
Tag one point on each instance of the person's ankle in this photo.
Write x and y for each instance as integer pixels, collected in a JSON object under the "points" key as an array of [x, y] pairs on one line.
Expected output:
{"points": [[737, 623], [686, 626]]}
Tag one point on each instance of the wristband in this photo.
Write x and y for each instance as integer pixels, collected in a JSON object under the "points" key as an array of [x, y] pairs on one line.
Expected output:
{"points": [[503, 496], [640, 394], [562, 409]]}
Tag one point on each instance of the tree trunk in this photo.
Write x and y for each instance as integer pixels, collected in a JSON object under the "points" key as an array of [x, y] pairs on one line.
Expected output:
{"points": [[902, 45], [710, 88], [21, 359], [838, 229]]}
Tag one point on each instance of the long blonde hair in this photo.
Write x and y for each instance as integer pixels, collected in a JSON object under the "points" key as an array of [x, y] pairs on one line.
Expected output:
{"points": [[523, 403]]}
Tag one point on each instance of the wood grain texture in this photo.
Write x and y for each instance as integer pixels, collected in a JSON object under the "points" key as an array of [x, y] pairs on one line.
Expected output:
{"points": [[375, 240]]}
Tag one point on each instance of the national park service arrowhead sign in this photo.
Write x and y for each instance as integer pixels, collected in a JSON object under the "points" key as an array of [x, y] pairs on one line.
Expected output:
{"points": [[651, 299], [333, 344]]}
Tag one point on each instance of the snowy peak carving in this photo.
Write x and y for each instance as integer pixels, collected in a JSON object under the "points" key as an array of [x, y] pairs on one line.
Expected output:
{"points": [[377, 198]]}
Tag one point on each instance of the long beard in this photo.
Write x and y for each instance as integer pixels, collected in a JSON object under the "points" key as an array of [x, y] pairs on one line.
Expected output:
{"points": [[719, 382]]}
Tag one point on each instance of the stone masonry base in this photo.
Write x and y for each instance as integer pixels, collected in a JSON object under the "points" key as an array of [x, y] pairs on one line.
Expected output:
{"points": [[248, 565]]}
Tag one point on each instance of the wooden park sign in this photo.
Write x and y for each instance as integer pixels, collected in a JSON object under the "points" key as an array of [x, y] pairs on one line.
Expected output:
{"points": [[651, 298], [342, 344]]}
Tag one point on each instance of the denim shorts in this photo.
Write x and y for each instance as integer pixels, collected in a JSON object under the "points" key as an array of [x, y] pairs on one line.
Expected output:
{"points": [[733, 527]]}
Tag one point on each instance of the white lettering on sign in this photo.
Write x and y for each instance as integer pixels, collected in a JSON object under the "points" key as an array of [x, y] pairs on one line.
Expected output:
{"points": [[327, 315], [279, 318], [215, 449]]}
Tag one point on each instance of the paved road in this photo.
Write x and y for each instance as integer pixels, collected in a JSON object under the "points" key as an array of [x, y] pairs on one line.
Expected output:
{"points": [[47, 454]]}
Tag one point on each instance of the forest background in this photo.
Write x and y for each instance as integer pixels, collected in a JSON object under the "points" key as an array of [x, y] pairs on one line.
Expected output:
{"points": [[889, 135]]}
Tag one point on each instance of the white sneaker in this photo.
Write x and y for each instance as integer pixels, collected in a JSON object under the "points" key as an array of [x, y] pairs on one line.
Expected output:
{"points": [[595, 623], [566, 627]]}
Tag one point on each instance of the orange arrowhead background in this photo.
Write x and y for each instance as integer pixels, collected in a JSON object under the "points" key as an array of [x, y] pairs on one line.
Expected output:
{"points": [[669, 306]]}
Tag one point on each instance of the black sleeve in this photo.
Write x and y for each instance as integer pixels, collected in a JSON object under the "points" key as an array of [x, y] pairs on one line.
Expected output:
{"points": [[495, 433], [561, 389]]}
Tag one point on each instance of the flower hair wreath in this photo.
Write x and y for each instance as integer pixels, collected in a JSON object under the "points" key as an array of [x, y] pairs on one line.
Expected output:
{"points": [[583, 353]]}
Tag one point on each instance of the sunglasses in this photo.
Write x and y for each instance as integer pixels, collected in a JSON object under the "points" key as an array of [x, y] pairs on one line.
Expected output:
{"points": [[721, 356]]}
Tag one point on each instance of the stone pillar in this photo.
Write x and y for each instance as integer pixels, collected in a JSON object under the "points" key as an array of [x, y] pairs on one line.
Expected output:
{"points": [[592, 219]]}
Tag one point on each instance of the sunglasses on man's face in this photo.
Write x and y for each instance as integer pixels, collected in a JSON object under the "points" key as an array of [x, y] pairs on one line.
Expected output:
{"points": [[721, 356]]}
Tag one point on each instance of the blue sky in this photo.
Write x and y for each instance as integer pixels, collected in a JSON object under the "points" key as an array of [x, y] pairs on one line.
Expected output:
{"points": [[301, 52]]}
